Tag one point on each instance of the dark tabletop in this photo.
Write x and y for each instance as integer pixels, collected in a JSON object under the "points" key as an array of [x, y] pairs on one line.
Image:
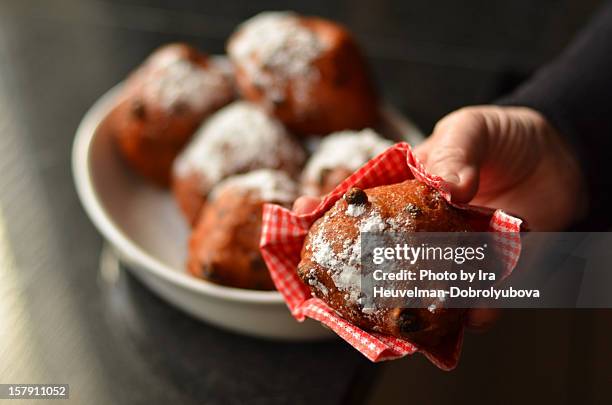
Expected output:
{"points": [[63, 320]]}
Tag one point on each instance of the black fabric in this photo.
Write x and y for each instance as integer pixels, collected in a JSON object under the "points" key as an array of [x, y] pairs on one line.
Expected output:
{"points": [[574, 93]]}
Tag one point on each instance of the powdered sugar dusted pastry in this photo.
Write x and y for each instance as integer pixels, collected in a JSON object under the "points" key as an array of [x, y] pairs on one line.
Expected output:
{"points": [[224, 247], [331, 256], [161, 105], [337, 157], [307, 71], [237, 139]]}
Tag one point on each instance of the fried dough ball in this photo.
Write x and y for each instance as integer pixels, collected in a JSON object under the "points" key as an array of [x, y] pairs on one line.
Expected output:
{"points": [[162, 104], [306, 71], [237, 139], [331, 263], [224, 247]]}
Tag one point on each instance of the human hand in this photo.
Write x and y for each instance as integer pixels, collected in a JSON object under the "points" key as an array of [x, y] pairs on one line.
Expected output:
{"points": [[509, 158]]}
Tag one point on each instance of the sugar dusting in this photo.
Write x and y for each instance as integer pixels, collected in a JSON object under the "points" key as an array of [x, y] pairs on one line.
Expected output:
{"points": [[270, 185], [238, 138], [355, 210], [273, 48], [175, 81], [312, 281], [347, 149], [344, 266], [341, 258], [372, 223]]}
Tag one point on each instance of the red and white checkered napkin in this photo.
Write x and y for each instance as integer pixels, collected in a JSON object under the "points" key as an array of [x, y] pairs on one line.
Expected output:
{"points": [[284, 232]]}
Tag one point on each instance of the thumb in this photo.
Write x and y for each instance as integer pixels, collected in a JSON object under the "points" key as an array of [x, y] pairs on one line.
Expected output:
{"points": [[455, 152]]}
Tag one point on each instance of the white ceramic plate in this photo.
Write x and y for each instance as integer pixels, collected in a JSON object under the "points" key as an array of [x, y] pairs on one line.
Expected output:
{"points": [[145, 228]]}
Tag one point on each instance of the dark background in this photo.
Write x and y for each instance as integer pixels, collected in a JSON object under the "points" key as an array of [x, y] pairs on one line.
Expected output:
{"points": [[114, 342]]}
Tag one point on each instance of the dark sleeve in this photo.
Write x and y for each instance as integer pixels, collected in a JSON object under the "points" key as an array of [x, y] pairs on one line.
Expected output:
{"points": [[574, 93]]}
